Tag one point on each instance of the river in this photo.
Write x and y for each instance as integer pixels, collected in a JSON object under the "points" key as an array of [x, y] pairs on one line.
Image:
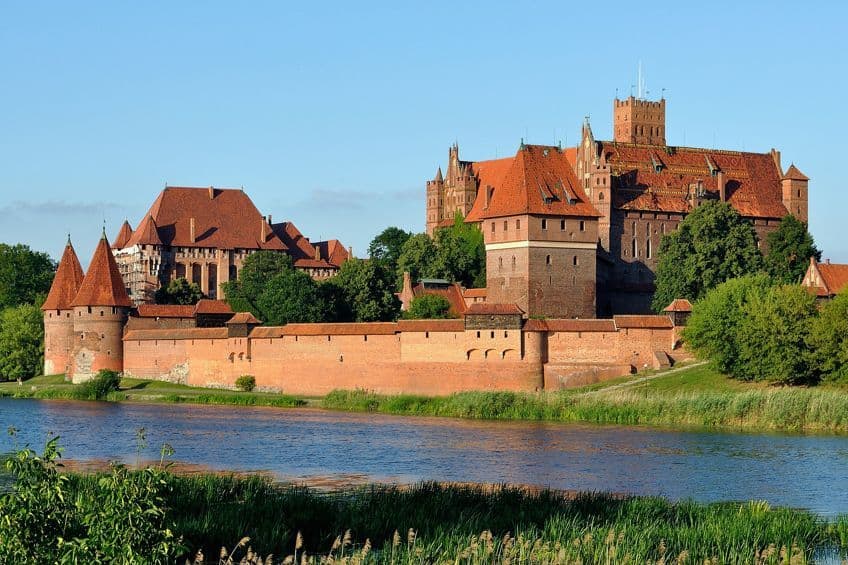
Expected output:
{"points": [[336, 448]]}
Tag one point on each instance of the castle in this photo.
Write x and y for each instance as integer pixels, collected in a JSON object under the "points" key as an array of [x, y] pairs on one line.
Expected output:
{"points": [[575, 232], [204, 236], [569, 234]]}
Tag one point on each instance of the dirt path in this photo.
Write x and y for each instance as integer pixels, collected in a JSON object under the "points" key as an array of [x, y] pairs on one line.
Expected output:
{"points": [[641, 380]]}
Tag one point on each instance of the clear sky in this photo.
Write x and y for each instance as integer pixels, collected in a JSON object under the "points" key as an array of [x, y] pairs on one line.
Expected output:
{"points": [[333, 115]]}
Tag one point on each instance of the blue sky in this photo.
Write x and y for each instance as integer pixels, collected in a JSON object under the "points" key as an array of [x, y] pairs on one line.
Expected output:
{"points": [[333, 115]]}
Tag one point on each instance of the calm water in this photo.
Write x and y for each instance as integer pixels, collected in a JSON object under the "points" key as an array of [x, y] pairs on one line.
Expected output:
{"points": [[320, 447]]}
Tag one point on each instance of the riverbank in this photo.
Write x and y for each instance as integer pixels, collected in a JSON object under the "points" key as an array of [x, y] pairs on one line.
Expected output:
{"points": [[437, 523], [696, 396], [692, 396], [136, 390]]}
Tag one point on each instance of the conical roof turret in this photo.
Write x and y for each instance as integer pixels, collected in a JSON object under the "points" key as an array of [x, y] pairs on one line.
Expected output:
{"points": [[102, 285], [66, 283], [439, 177], [124, 235]]}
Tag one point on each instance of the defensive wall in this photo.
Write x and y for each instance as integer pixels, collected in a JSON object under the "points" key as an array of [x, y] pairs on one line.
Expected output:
{"points": [[430, 357]]}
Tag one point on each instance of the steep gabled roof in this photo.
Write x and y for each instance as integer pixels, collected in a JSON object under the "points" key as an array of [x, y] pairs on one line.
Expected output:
{"points": [[66, 283], [679, 305], [659, 178], [225, 218], [539, 180], [298, 246], [332, 251], [244, 318], [102, 285], [834, 276], [451, 292], [146, 234], [124, 235], [792, 173]]}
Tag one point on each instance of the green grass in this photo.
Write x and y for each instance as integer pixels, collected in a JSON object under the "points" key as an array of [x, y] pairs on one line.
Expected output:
{"points": [[694, 397], [138, 390], [449, 521]]}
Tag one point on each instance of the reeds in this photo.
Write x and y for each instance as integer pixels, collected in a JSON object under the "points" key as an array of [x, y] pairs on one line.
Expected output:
{"points": [[786, 409]]}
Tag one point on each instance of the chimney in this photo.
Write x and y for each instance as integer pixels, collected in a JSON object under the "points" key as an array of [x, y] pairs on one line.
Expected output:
{"points": [[191, 232], [722, 194], [406, 295], [270, 222], [263, 231], [350, 252], [488, 195], [211, 192], [775, 155], [317, 253]]}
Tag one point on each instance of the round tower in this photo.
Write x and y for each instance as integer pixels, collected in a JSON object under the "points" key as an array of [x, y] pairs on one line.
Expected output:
{"points": [[100, 311], [58, 313]]}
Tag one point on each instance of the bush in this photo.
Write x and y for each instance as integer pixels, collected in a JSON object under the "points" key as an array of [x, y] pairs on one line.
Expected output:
{"points": [[428, 307], [829, 339], [99, 387], [246, 383]]}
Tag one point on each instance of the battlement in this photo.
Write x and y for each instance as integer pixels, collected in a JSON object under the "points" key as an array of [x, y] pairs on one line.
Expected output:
{"points": [[640, 102]]}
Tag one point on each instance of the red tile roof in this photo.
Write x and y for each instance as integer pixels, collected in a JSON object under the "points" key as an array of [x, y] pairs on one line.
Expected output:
{"points": [[569, 325], [834, 276], [540, 180], [658, 178], [124, 235], [792, 173], [451, 292], [165, 311], [66, 283], [482, 308], [147, 233], [431, 325], [474, 293], [244, 318], [209, 306], [176, 333], [297, 245], [643, 322], [223, 217], [102, 285], [314, 264], [679, 305], [333, 252]]}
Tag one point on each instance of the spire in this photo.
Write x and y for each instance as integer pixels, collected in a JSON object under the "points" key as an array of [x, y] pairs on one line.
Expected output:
{"points": [[102, 285], [792, 173], [439, 177], [124, 235], [67, 281], [146, 233]]}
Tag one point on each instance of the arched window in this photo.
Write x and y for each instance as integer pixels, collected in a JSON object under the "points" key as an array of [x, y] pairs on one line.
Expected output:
{"points": [[513, 262], [500, 263], [601, 195], [548, 260], [648, 247], [635, 248], [574, 261]]}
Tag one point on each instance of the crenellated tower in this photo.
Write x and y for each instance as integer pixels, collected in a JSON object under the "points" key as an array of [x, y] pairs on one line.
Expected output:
{"points": [[59, 314], [100, 311], [636, 120], [454, 193]]}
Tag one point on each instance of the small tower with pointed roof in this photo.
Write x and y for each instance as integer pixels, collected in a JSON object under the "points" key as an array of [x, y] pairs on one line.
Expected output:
{"points": [[435, 196], [100, 311], [794, 185], [59, 314]]}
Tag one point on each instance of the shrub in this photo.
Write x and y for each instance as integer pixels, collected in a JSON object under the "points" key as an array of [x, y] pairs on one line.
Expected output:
{"points": [[246, 383], [428, 307], [99, 387], [829, 339]]}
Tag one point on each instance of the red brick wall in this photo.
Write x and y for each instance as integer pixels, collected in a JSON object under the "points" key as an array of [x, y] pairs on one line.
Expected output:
{"points": [[58, 341]]}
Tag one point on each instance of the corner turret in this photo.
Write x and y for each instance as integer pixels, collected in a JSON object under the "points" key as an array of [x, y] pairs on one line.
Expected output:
{"points": [[100, 311], [58, 313]]}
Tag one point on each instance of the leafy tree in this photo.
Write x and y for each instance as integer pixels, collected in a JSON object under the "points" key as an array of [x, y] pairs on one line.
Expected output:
{"points": [[711, 245], [428, 307], [790, 247], [21, 342], [257, 270], [289, 296], [712, 331], [460, 254], [416, 257], [387, 246], [774, 336], [829, 339], [367, 290], [179, 291], [25, 275]]}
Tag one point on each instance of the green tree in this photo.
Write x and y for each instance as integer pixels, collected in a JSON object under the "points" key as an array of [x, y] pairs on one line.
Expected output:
{"points": [[289, 296], [774, 337], [257, 270], [367, 290], [386, 247], [460, 254], [21, 342], [428, 307], [25, 275], [179, 291], [790, 247], [417, 258], [711, 245], [712, 331], [829, 339]]}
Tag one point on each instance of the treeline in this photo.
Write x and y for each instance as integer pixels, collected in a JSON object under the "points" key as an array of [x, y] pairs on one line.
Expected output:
{"points": [[25, 279]]}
